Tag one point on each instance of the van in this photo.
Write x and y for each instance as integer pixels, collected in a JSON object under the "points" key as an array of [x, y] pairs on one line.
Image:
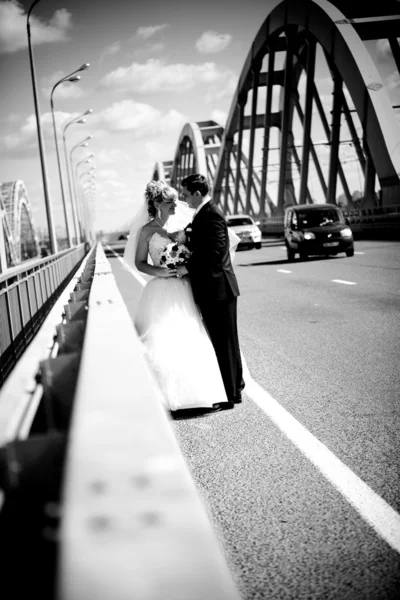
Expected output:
{"points": [[316, 229]]}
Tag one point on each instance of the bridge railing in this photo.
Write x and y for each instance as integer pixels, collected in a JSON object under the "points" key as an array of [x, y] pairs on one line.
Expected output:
{"points": [[94, 484], [27, 293]]}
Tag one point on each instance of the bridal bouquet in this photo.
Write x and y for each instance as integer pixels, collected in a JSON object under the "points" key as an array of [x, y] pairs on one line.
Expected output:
{"points": [[174, 255]]}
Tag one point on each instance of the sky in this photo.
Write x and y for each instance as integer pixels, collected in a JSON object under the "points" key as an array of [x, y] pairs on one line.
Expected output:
{"points": [[154, 66]]}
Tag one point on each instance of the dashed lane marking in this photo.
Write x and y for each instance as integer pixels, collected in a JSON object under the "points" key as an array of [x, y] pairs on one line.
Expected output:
{"points": [[344, 282], [359, 252], [283, 271], [368, 504]]}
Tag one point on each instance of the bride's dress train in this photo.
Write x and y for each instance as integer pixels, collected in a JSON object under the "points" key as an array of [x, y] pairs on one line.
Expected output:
{"points": [[176, 342]]}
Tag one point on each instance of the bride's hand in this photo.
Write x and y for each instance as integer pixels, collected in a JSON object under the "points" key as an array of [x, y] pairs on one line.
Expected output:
{"points": [[166, 272]]}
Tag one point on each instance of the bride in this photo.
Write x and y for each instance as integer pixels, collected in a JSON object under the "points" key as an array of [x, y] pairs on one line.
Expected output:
{"points": [[168, 321]]}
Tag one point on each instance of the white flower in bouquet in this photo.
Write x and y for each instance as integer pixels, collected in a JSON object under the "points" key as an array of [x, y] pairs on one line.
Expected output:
{"points": [[174, 255]]}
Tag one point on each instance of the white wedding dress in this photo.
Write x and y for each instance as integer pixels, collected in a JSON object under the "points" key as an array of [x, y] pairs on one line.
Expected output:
{"points": [[176, 342]]}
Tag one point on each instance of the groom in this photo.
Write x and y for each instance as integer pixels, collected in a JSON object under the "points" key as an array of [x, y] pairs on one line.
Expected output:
{"points": [[213, 281]]}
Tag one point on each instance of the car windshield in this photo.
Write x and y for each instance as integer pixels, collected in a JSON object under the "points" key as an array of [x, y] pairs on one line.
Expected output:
{"points": [[320, 218], [239, 221]]}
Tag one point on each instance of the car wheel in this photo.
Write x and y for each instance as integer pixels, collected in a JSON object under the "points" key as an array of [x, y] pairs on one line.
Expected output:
{"points": [[350, 252], [258, 245], [290, 254]]}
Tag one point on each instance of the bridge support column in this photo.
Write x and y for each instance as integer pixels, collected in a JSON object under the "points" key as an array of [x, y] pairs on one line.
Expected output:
{"points": [[285, 123], [228, 151], [267, 128], [311, 48], [253, 123], [335, 138], [370, 200], [313, 153], [239, 154]]}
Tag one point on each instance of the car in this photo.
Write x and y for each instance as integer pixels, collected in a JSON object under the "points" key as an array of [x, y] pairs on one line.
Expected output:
{"points": [[316, 229], [247, 229]]}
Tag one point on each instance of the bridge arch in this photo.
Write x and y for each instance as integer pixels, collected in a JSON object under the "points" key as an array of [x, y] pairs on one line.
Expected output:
{"points": [[296, 29], [162, 171], [19, 235], [197, 151]]}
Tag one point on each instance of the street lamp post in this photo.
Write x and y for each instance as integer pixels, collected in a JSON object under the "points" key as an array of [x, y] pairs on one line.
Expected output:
{"points": [[78, 185], [75, 120], [87, 186], [49, 213], [83, 143], [72, 79]]}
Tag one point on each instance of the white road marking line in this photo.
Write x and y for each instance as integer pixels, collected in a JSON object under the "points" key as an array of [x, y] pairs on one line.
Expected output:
{"points": [[369, 505], [359, 252], [283, 271], [344, 282], [138, 277]]}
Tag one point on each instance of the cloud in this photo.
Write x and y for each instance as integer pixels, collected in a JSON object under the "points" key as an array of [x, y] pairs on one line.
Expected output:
{"points": [[210, 42], [64, 90], [23, 142], [392, 82], [155, 76], [384, 50], [225, 89], [149, 49], [111, 156], [112, 49], [219, 116], [141, 120], [149, 31], [107, 174], [13, 35]]}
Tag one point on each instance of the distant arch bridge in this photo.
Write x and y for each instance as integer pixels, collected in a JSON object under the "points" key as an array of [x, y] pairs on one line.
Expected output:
{"points": [[18, 240], [311, 119]]}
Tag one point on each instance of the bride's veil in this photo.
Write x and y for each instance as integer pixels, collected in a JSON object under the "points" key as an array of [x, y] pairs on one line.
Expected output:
{"points": [[182, 217]]}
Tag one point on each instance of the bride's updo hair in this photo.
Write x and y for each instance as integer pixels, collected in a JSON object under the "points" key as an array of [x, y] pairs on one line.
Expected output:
{"points": [[157, 191]]}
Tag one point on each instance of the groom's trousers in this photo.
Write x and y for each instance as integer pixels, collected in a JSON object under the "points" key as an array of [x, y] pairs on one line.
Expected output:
{"points": [[220, 319]]}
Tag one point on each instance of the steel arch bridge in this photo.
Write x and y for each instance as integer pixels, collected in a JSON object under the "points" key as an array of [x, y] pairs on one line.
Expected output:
{"points": [[18, 241], [283, 142]]}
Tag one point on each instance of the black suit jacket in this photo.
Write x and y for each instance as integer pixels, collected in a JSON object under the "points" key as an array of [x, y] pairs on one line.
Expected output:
{"points": [[210, 267]]}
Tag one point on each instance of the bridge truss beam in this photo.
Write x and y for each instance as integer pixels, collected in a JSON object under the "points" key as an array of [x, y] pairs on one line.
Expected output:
{"points": [[296, 30]]}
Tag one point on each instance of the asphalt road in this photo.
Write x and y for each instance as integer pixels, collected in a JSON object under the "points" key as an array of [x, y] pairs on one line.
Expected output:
{"points": [[302, 480]]}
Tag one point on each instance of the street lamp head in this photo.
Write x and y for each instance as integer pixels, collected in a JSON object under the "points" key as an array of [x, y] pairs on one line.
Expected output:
{"points": [[88, 112], [73, 79], [81, 121], [84, 67]]}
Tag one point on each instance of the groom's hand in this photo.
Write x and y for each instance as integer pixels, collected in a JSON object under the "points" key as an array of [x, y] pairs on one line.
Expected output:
{"points": [[188, 230]]}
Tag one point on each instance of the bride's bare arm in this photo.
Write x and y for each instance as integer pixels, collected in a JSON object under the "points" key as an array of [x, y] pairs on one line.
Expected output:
{"points": [[141, 263]]}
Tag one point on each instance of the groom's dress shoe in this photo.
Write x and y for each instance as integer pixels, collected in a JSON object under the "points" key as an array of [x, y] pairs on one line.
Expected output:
{"points": [[224, 405]]}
